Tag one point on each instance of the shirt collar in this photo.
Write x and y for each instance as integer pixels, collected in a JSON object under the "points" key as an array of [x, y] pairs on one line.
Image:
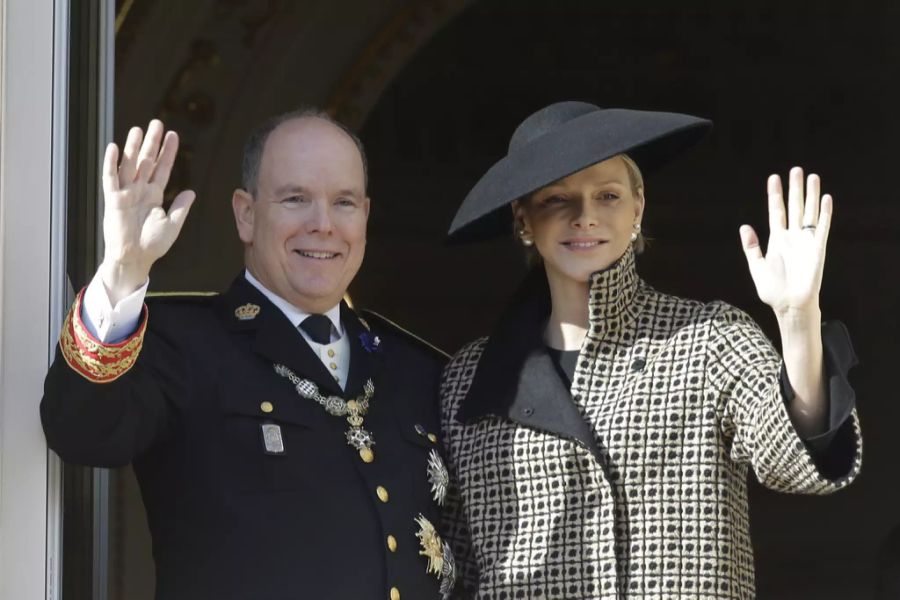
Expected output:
{"points": [[294, 314]]}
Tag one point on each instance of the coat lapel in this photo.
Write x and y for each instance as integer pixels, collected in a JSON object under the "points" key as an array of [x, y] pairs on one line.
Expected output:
{"points": [[274, 337], [516, 377]]}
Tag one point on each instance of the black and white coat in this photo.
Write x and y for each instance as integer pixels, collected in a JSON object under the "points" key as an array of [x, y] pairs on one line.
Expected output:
{"points": [[633, 483]]}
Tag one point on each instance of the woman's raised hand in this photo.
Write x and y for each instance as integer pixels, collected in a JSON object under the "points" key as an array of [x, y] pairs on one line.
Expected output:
{"points": [[788, 277], [136, 229]]}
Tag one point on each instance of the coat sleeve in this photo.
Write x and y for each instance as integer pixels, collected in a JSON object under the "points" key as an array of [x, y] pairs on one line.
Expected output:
{"points": [[455, 524], [743, 375], [106, 404]]}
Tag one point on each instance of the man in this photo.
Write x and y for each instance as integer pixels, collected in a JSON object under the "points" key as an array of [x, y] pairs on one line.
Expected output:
{"points": [[283, 449]]}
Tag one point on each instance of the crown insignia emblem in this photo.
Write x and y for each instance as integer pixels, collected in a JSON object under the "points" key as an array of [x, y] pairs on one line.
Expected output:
{"points": [[246, 312]]}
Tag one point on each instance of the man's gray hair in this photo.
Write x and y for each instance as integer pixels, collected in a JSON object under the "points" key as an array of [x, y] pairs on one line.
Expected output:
{"points": [[256, 142]]}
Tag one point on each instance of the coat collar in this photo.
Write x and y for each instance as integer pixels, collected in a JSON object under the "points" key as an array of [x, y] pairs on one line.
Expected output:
{"points": [[612, 296], [516, 377], [246, 310]]}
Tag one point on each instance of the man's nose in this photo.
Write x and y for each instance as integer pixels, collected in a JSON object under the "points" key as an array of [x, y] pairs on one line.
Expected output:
{"points": [[320, 217]]}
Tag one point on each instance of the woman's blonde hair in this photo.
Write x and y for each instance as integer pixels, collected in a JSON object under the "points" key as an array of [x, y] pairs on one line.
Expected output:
{"points": [[635, 178]]}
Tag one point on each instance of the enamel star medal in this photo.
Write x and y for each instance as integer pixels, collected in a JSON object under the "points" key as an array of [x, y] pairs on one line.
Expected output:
{"points": [[438, 477]]}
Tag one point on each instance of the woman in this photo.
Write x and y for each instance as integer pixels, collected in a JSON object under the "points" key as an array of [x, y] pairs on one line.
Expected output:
{"points": [[599, 440]]}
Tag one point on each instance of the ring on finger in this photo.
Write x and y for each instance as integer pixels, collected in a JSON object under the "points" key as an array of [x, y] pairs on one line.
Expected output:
{"points": [[808, 228]]}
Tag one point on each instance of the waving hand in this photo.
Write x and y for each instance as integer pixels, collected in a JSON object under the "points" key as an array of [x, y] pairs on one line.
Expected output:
{"points": [[789, 275], [136, 229]]}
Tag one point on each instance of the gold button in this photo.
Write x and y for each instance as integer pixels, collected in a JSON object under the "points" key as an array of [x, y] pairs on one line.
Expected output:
{"points": [[266, 407], [395, 594], [433, 438], [392, 543], [382, 493], [330, 352], [333, 366], [367, 455]]}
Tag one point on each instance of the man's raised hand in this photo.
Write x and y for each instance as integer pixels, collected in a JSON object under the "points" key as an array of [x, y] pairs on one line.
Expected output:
{"points": [[136, 228]]}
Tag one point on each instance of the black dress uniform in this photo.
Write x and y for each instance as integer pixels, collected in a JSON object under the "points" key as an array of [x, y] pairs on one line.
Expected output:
{"points": [[234, 512]]}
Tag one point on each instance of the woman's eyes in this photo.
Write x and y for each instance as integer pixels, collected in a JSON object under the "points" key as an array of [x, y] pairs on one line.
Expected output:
{"points": [[558, 199]]}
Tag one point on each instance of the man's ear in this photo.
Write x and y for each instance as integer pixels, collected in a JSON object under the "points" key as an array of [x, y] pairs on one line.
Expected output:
{"points": [[243, 205]]}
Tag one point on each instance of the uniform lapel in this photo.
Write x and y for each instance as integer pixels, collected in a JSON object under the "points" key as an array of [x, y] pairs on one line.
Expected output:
{"points": [[363, 352], [274, 337]]}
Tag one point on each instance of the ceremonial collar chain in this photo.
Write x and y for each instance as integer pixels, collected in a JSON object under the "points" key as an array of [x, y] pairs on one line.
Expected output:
{"points": [[354, 410]]}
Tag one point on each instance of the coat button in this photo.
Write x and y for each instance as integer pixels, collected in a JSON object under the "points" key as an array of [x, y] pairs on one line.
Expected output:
{"points": [[392, 543], [367, 455], [395, 594], [419, 429], [332, 365], [382, 493], [528, 411], [330, 352], [433, 438], [266, 407]]}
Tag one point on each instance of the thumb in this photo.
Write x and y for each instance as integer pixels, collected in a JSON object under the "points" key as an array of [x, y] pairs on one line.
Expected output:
{"points": [[180, 208], [750, 242], [752, 251]]}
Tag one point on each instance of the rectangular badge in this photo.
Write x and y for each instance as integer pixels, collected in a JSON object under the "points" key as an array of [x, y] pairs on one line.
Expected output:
{"points": [[272, 440]]}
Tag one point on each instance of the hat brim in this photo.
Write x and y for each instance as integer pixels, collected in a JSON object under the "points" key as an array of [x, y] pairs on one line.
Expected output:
{"points": [[650, 138]]}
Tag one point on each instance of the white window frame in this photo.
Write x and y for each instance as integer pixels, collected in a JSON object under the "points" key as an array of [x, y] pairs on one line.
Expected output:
{"points": [[33, 155]]}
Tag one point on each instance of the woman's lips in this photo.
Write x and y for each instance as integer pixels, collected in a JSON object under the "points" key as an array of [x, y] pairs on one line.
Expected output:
{"points": [[581, 244]]}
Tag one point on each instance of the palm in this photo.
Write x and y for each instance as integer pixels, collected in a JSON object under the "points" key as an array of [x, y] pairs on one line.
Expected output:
{"points": [[789, 275], [136, 229]]}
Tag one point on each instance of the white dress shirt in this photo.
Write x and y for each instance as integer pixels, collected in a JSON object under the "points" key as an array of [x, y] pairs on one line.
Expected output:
{"points": [[111, 324]]}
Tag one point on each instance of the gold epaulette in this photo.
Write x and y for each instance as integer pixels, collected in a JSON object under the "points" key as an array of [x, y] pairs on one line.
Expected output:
{"points": [[92, 359]]}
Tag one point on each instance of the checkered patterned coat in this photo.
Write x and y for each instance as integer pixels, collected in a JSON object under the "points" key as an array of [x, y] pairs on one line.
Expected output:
{"points": [[631, 484]]}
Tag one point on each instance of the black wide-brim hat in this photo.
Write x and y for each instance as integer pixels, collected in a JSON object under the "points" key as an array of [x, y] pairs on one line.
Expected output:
{"points": [[562, 139]]}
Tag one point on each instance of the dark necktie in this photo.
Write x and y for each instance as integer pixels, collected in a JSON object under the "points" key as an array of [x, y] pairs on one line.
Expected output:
{"points": [[317, 327]]}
